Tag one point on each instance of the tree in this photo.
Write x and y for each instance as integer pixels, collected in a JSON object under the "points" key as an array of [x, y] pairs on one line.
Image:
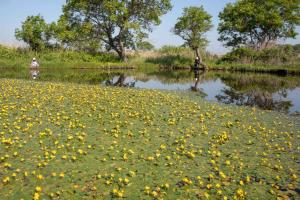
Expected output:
{"points": [[119, 24], [76, 37], [258, 24], [144, 46], [35, 32], [192, 26]]}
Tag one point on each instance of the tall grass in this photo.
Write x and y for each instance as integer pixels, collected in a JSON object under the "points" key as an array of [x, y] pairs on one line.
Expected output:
{"points": [[21, 57], [280, 55], [177, 57]]}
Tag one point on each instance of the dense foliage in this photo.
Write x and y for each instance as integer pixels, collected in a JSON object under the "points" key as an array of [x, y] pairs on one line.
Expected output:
{"points": [[282, 54], [117, 24], [177, 56], [258, 24], [36, 33], [20, 57], [144, 46], [76, 37]]}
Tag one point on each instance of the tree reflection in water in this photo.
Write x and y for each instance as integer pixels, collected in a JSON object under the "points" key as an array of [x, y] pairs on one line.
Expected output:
{"points": [[199, 77], [121, 82], [255, 97]]}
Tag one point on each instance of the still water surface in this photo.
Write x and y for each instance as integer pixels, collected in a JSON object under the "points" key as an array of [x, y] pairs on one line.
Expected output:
{"points": [[265, 91]]}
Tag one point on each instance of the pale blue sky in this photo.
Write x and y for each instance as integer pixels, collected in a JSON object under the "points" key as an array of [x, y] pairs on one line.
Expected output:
{"points": [[13, 12]]}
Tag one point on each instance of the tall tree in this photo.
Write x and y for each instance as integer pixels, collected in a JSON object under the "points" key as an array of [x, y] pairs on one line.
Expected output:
{"points": [[76, 37], [257, 24], [119, 24], [35, 32], [192, 26]]}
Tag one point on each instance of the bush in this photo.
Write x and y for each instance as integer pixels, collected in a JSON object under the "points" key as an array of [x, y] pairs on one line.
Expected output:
{"points": [[282, 54], [177, 56], [55, 56], [171, 61], [244, 55], [297, 48]]}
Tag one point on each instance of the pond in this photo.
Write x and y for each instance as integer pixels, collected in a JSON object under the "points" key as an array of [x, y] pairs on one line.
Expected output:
{"points": [[265, 91]]}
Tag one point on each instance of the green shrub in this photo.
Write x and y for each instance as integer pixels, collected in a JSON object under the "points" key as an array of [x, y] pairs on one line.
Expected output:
{"points": [[297, 48], [281, 54], [177, 56], [171, 61], [15, 56]]}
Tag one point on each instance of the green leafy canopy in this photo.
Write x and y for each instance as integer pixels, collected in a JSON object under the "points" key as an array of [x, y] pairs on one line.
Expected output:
{"points": [[192, 26], [119, 24], [257, 23], [35, 32]]}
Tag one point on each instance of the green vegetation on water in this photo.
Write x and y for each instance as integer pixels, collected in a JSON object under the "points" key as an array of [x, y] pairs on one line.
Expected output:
{"points": [[70, 141]]}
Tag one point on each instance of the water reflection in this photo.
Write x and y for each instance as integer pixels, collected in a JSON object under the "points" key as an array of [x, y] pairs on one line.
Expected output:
{"points": [[120, 82], [34, 72], [258, 98], [199, 76], [265, 91]]}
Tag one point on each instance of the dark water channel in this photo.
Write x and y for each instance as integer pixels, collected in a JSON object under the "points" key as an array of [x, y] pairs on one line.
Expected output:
{"points": [[265, 91]]}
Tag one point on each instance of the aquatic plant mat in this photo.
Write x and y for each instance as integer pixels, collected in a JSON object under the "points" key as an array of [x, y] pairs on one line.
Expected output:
{"points": [[72, 141]]}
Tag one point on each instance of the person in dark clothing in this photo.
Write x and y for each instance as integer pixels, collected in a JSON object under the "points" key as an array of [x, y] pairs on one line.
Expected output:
{"points": [[197, 63], [196, 68]]}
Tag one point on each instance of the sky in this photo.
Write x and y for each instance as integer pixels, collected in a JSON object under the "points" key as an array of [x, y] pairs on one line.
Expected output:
{"points": [[13, 12]]}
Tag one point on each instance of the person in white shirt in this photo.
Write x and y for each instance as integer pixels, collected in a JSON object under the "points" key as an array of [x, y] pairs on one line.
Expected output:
{"points": [[34, 63]]}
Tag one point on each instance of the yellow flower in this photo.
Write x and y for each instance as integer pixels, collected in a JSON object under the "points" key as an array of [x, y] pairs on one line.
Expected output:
{"points": [[118, 193], [248, 179], [38, 189], [187, 181], [80, 151], [40, 177], [206, 195], [126, 180], [5, 180], [154, 193], [241, 182], [227, 162], [150, 158], [36, 196], [209, 186], [61, 175]]}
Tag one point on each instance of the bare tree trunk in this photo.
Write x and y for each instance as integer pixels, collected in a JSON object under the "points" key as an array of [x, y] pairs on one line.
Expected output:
{"points": [[198, 54], [121, 51], [121, 54]]}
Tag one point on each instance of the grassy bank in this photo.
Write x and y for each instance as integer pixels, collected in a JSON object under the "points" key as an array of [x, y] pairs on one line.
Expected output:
{"points": [[183, 58], [70, 141], [21, 58], [283, 59], [168, 57]]}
